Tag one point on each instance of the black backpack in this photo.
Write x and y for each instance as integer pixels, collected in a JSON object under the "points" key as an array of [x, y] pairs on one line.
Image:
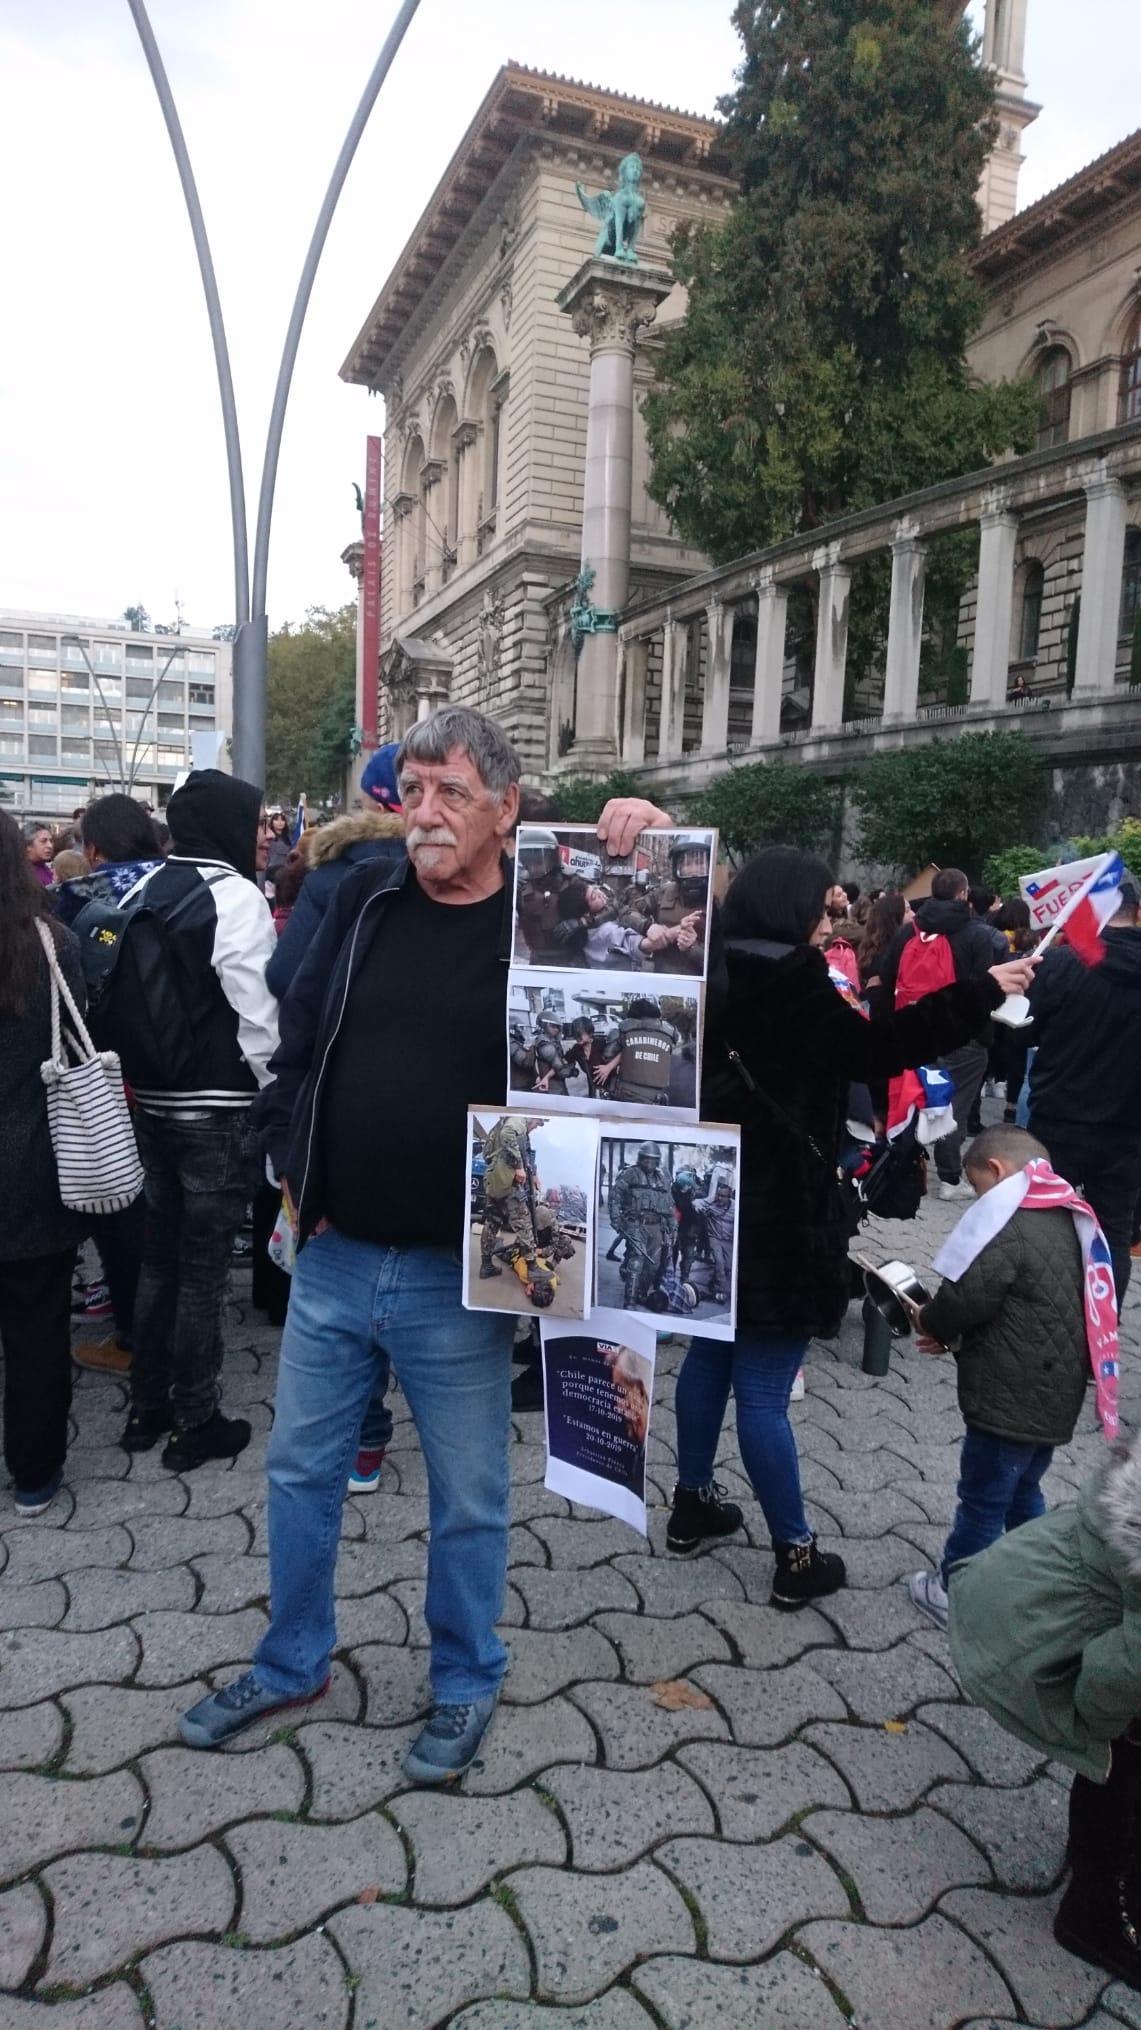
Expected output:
{"points": [[137, 999]]}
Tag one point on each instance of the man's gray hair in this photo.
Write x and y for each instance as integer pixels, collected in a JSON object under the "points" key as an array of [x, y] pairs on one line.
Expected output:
{"points": [[493, 758]]}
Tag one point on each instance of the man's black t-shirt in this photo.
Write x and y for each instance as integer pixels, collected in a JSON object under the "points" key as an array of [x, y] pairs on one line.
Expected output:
{"points": [[424, 1036]]}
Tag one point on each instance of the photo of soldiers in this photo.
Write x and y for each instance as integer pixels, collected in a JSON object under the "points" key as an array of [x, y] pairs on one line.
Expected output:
{"points": [[666, 1227], [526, 1249], [577, 909], [623, 1044]]}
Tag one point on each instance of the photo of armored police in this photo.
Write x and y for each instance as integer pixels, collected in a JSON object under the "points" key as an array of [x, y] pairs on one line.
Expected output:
{"points": [[529, 1218], [626, 1043], [666, 1232], [579, 909]]}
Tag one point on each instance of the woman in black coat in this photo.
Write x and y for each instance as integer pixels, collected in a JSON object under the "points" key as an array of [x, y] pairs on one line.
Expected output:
{"points": [[782, 1046], [38, 1237]]}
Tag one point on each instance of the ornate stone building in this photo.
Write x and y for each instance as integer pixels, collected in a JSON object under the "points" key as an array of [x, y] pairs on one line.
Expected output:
{"points": [[485, 388]]}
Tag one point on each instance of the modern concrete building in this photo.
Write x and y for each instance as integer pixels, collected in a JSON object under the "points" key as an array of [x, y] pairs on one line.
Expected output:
{"points": [[87, 706]]}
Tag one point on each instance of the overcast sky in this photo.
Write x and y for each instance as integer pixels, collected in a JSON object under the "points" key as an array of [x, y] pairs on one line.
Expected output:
{"points": [[113, 476]]}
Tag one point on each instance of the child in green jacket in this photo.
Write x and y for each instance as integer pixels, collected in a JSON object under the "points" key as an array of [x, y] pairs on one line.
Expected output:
{"points": [[1046, 1635], [1011, 1309]]}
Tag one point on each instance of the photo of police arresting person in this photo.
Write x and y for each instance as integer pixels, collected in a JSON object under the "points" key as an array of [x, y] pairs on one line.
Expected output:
{"points": [[666, 1231], [579, 910], [530, 1213], [624, 1043]]}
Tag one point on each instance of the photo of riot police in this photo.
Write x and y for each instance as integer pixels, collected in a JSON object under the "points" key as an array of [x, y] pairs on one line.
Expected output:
{"points": [[626, 1043], [666, 1230], [579, 910], [530, 1213]]}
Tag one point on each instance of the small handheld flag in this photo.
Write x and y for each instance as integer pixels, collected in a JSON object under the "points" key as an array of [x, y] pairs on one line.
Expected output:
{"points": [[1075, 902]]}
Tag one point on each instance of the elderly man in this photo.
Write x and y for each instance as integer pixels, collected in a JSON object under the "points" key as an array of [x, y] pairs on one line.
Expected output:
{"points": [[395, 1024]]}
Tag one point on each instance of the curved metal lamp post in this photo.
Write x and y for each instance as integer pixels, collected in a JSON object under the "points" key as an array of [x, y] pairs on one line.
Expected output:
{"points": [[250, 597]]}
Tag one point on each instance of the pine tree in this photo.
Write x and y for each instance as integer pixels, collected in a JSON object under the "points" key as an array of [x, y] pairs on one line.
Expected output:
{"points": [[821, 365]]}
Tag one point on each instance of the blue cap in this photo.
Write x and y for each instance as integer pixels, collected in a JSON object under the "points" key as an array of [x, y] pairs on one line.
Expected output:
{"points": [[379, 778]]}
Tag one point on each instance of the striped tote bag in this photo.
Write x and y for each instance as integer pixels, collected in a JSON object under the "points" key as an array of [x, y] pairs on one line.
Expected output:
{"points": [[88, 1117]]}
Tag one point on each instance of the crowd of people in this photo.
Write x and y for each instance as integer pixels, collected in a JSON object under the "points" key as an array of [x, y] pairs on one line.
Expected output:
{"points": [[309, 1049]]}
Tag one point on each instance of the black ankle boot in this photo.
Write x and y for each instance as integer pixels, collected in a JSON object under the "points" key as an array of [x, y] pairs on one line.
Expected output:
{"points": [[218, 1438], [699, 1515], [803, 1573], [144, 1428], [1099, 1921]]}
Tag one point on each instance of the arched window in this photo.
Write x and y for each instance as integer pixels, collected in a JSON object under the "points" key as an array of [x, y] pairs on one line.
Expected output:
{"points": [[1054, 391], [1031, 623], [1129, 406], [1131, 582], [443, 500], [411, 552]]}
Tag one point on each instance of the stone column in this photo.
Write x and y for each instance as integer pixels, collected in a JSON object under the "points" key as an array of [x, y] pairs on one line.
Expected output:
{"points": [[831, 639], [718, 664], [608, 302], [905, 623], [463, 541], [1103, 561], [672, 721], [635, 655], [998, 535], [768, 681]]}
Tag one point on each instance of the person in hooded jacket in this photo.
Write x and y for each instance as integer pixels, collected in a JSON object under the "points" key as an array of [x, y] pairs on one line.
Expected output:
{"points": [[1085, 1083], [1046, 1636], [781, 1047], [975, 948], [196, 1137], [332, 852]]}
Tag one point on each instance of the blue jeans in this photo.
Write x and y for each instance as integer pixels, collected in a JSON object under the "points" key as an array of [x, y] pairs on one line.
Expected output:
{"points": [[760, 1367], [999, 1488], [352, 1305]]}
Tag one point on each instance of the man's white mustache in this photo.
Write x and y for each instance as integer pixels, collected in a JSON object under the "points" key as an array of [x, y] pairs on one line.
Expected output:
{"points": [[438, 835]]}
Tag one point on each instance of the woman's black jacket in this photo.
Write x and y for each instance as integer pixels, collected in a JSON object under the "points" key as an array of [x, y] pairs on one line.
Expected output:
{"points": [[802, 1044]]}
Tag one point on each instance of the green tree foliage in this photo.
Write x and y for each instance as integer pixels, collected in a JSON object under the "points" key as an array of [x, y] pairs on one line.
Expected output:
{"points": [[311, 687], [1003, 870], [821, 365], [579, 798], [137, 618], [953, 801], [771, 803]]}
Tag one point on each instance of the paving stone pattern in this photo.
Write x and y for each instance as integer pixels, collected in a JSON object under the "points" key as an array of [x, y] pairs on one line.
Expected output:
{"points": [[836, 1839]]}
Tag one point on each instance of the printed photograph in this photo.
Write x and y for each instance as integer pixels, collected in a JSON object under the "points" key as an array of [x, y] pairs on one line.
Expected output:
{"points": [[666, 1231], [598, 1382], [530, 1213], [621, 1043], [579, 910]]}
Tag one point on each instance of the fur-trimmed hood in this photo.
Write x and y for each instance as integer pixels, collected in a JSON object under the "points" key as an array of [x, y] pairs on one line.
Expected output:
{"points": [[1119, 1499], [332, 841]]}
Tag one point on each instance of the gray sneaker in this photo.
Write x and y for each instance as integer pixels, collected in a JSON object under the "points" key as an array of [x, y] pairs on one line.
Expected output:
{"points": [[450, 1742], [930, 1596], [219, 1716]]}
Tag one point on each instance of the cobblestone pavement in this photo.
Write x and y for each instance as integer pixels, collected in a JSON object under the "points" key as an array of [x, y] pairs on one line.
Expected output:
{"points": [[835, 1836]]}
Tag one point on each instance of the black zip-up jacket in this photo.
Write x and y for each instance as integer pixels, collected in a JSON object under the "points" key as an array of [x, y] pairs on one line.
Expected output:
{"points": [[287, 1112], [1087, 1025], [975, 946]]}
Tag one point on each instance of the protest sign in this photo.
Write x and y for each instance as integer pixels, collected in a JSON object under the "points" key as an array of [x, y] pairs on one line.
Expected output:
{"points": [[1048, 892], [607, 1043], [666, 1227], [598, 1383], [527, 1244], [578, 909]]}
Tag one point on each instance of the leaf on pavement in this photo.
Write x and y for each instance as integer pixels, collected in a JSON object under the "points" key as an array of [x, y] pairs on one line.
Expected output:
{"points": [[672, 1694]]}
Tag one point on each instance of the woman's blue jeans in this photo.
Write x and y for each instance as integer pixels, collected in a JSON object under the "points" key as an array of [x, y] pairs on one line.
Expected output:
{"points": [[760, 1368]]}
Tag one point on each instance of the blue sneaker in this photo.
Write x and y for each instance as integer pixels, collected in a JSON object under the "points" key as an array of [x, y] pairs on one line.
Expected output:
{"points": [[450, 1742], [34, 1500], [221, 1715]]}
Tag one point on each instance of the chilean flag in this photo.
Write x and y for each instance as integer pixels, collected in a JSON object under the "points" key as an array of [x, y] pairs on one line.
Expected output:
{"points": [[1091, 911]]}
